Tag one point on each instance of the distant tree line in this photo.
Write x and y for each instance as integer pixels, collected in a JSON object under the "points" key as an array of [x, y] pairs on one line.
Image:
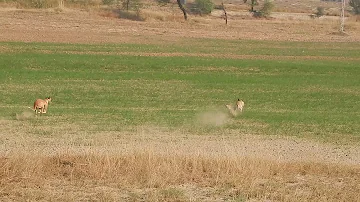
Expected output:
{"points": [[202, 7], [333, 0]]}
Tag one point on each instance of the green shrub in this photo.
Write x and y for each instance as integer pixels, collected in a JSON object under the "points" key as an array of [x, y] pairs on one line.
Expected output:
{"points": [[356, 6], [267, 8], [320, 11], [204, 6]]}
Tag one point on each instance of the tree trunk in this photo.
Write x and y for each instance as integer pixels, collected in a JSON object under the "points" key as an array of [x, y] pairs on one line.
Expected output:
{"points": [[223, 7], [182, 9], [127, 5]]}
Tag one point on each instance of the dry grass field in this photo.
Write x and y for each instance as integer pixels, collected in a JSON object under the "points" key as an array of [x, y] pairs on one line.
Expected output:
{"points": [[73, 161], [102, 26], [156, 164]]}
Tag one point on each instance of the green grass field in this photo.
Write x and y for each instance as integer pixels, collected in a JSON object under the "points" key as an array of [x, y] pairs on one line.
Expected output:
{"points": [[289, 88], [148, 122]]}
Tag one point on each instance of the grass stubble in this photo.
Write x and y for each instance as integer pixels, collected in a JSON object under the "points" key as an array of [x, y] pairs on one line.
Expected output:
{"points": [[136, 167], [155, 164], [159, 145]]}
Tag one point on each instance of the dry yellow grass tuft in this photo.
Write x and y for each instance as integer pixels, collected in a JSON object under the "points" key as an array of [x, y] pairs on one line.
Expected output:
{"points": [[250, 178], [155, 164]]}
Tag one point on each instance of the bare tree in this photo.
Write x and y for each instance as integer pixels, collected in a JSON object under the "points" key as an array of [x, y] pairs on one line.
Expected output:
{"points": [[223, 7], [182, 9], [179, 3], [126, 4], [61, 4], [131, 4], [253, 3]]}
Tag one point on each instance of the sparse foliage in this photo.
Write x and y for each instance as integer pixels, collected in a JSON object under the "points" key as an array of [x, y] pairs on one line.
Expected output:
{"points": [[108, 2], [135, 5], [252, 4], [267, 8], [320, 11], [355, 4], [180, 4], [204, 6], [130, 9], [131, 15], [163, 2]]}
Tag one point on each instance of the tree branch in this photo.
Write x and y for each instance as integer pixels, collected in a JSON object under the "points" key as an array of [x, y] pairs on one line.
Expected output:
{"points": [[182, 9], [223, 7]]}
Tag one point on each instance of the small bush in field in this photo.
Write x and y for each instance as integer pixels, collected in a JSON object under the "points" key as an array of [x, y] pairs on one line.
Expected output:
{"points": [[204, 6], [356, 6], [267, 8], [131, 15], [265, 11], [320, 11]]}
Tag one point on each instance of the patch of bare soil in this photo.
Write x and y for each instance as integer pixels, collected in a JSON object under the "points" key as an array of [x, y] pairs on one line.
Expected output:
{"points": [[17, 135], [157, 164], [75, 26]]}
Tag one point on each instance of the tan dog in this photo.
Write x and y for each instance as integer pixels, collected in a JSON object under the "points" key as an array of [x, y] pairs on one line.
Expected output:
{"points": [[238, 107], [41, 106]]}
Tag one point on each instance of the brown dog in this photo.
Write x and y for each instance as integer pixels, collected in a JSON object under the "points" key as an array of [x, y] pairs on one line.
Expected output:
{"points": [[41, 106]]}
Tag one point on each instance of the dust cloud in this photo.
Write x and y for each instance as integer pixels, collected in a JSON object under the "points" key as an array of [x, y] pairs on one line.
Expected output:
{"points": [[25, 115], [213, 118]]}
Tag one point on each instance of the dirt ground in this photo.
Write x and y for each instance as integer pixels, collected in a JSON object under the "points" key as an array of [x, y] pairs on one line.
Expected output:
{"points": [[77, 26], [158, 141]]}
